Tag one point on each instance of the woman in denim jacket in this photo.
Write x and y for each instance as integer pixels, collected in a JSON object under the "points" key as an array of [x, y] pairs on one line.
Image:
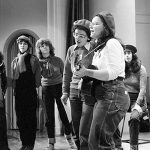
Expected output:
{"points": [[109, 90], [135, 82]]}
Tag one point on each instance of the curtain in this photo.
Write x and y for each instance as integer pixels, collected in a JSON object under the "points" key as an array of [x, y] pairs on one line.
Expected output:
{"points": [[78, 9]]}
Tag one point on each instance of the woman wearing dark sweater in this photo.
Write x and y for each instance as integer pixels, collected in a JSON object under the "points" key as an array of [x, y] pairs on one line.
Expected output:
{"points": [[51, 81]]}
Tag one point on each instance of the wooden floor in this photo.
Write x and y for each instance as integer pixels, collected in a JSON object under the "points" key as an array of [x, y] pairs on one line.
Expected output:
{"points": [[61, 144]]}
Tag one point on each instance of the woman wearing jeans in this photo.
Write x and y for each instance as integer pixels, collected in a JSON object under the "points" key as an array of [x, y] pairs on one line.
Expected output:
{"points": [[109, 90]]}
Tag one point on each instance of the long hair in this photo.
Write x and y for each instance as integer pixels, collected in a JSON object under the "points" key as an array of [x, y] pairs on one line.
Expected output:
{"points": [[132, 67], [41, 42], [106, 33]]}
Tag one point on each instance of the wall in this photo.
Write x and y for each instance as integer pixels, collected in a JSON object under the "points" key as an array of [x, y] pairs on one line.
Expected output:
{"points": [[19, 14], [57, 25], [124, 15], [143, 32], [57, 30]]}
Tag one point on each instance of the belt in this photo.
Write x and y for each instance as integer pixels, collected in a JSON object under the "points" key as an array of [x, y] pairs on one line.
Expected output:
{"points": [[111, 81]]}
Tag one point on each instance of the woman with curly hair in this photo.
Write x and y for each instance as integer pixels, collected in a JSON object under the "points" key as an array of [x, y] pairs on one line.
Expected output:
{"points": [[135, 82], [51, 81]]}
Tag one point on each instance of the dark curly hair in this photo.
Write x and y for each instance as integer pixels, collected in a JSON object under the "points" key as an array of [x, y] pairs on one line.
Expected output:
{"points": [[42, 41], [84, 29], [132, 67]]}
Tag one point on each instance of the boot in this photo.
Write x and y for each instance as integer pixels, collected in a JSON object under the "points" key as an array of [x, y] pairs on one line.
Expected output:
{"points": [[133, 147], [70, 141]]}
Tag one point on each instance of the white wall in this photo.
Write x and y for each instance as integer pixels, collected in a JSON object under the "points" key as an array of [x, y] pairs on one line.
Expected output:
{"points": [[22, 14], [124, 15], [57, 25], [143, 32]]}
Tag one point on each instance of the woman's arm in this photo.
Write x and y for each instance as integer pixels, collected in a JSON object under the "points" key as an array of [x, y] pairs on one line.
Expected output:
{"points": [[143, 83]]}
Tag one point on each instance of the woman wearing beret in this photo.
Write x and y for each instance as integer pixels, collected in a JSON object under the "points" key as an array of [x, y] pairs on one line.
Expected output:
{"points": [[71, 83], [109, 90], [51, 81], [135, 83], [26, 77]]}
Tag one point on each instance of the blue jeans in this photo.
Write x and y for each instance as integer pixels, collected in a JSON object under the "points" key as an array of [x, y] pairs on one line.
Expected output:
{"points": [[85, 124], [76, 112], [134, 122], [112, 104], [49, 95]]}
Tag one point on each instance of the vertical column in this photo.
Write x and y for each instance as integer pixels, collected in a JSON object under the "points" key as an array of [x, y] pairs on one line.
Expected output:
{"points": [[56, 25]]}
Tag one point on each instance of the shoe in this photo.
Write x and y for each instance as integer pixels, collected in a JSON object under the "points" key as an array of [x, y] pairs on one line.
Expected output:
{"points": [[71, 143], [22, 148], [119, 148], [133, 147], [50, 147]]}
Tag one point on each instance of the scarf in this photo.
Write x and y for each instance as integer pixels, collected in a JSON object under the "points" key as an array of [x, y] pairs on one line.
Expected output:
{"points": [[20, 66]]}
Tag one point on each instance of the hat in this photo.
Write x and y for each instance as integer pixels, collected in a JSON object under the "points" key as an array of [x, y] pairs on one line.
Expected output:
{"points": [[108, 20], [131, 48], [82, 24], [24, 38]]}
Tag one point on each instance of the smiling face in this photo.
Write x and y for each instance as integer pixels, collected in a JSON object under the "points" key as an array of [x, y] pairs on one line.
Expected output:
{"points": [[23, 46], [80, 37], [128, 56], [96, 28]]}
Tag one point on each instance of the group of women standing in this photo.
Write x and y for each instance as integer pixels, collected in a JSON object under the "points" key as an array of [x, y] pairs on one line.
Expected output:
{"points": [[103, 66]]}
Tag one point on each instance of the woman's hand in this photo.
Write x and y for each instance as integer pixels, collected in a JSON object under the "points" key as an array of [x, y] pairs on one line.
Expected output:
{"points": [[64, 98], [81, 72]]}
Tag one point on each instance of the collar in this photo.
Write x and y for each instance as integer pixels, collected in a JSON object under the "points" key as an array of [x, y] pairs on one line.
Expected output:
{"points": [[87, 46]]}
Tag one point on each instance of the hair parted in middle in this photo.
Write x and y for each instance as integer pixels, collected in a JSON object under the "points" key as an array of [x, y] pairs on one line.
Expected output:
{"points": [[135, 64], [45, 41]]}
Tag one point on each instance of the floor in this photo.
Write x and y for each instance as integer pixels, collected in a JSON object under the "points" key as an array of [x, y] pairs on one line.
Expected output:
{"points": [[61, 144]]}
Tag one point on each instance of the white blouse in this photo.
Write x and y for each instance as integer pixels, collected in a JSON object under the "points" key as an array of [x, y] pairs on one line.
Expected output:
{"points": [[111, 57]]}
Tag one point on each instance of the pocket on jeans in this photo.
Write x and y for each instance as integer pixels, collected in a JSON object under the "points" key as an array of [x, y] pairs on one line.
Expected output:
{"points": [[122, 100]]}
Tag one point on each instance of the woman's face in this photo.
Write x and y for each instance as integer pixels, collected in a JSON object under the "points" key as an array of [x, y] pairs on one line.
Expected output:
{"points": [[23, 46], [44, 49], [80, 37], [128, 56], [96, 28]]}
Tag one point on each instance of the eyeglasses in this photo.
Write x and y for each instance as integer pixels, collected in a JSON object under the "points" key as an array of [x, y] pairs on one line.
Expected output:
{"points": [[76, 35], [43, 45]]}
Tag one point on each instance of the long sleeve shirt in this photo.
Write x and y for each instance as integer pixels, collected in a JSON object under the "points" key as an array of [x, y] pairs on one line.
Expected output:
{"points": [[75, 54], [111, 58], [136, 83], [51, 70]]}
